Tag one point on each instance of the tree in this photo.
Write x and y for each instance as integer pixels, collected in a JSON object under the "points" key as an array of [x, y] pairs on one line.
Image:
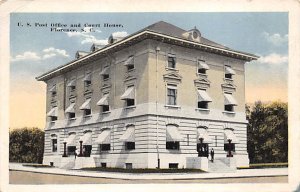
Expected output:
{"points": [[26, 145], [268, 132]]}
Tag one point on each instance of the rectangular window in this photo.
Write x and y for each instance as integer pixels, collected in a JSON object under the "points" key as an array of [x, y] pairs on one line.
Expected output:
{"points": [[71, 150], [87, 112], [54, 145], [232, 147], [105, 108], [171, 61], [172, 95], [229, 108], [203, 105], [129, 63], [128, 165], [173, 165], [72, 88], [228, 76], [129, 102], [105, 77], [71, 115], [104, 147], [202, 71], [229, 72], [87, 149], [130, 67], [53, 118], [103, 165], [129, 145], [174, 145]]}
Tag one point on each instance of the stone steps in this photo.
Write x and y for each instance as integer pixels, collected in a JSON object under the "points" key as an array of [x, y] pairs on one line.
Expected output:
{"points": [[218, 166]]}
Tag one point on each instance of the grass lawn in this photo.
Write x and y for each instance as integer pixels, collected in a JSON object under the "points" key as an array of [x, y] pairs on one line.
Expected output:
{"points": [[265, 165]]}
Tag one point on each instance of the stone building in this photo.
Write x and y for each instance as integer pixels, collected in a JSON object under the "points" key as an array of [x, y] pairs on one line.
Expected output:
{"points": [[160, 97]]}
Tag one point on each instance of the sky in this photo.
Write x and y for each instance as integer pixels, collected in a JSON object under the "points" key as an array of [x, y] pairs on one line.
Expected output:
{"points": [[35, 49]]}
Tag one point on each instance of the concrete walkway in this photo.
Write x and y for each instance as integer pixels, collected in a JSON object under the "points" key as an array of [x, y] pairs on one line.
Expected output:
{"points": [[270, 172]]}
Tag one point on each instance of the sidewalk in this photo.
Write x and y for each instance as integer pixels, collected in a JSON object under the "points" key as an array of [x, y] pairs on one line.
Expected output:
{"points": [[270, 172]]}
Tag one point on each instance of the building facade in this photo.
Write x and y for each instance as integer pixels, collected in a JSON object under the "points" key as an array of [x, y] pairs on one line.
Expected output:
{"points": [[152, 99]]}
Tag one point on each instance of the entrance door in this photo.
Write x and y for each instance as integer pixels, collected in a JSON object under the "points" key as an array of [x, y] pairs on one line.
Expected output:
{"points": [[202, 149]]}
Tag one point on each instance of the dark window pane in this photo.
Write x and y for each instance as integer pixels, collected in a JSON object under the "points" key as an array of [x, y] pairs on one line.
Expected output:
{"points": [[129, 102], [105, 76], [129, 145], [172, 62], [226, 147], [172, 145], [171, 96], [71, 150], [202, 71], [130, 67], [53, 118], [229, 108], [87, 149], [228, 76], [71, 115], [104, 147], [105, 108], [203, 105], [173, 165], [54, 145], [87, 112]]}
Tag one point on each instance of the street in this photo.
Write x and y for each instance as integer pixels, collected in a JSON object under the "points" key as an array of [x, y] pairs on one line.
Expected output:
{"points": [[23, 177]]}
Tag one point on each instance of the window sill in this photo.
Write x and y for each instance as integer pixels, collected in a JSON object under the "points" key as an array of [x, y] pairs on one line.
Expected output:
{"points": [[107, 79], [130, 107], [229, 112], [72, 119], [173, 106], [227, 79], [87, 116], [202, 109], [171, 69], [106, 112], [202, 75], [53, 122]]}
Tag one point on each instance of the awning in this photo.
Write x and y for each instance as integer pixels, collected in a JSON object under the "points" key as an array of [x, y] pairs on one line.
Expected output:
{"points": [[71, 108], [128, 136], [105, 71], [173, 134], [86, 138], [229, 99], [128, 94], [129, 61], [203, 96], [53, 88], [103, 100], [87, 77], [86, 105], [228, 134], [203, 133], [229, 70], [72, 83], [104, 137], [71, 140], [202, 65], [53, 112]]}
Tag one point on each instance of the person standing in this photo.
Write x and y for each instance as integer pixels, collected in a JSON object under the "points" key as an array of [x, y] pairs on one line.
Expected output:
{"points": [[212, 153]]}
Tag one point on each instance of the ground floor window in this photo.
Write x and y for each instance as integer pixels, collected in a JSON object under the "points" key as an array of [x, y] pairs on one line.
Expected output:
{"points": [[54, 145], [202, 149], [87, 149], [173, 165], [232, 147], [129, 145], [103, 164], [71, 150], [172, 145], [104, 147]]}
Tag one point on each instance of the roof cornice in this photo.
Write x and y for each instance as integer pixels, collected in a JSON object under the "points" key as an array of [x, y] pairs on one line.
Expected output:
{"points": [[155, 35]]}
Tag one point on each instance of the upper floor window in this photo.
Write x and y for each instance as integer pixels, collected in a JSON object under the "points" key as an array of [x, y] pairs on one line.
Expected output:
{"points": [[53, 91], [202, 67], [129, 63], [53, 113], [103, 102], [70, 111], [129, 96], [171, 61], [86, 107], [229, 72], [171, 94], [203, 99], [87, 80], [72, 85], [105, 73], [229, 102]]}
